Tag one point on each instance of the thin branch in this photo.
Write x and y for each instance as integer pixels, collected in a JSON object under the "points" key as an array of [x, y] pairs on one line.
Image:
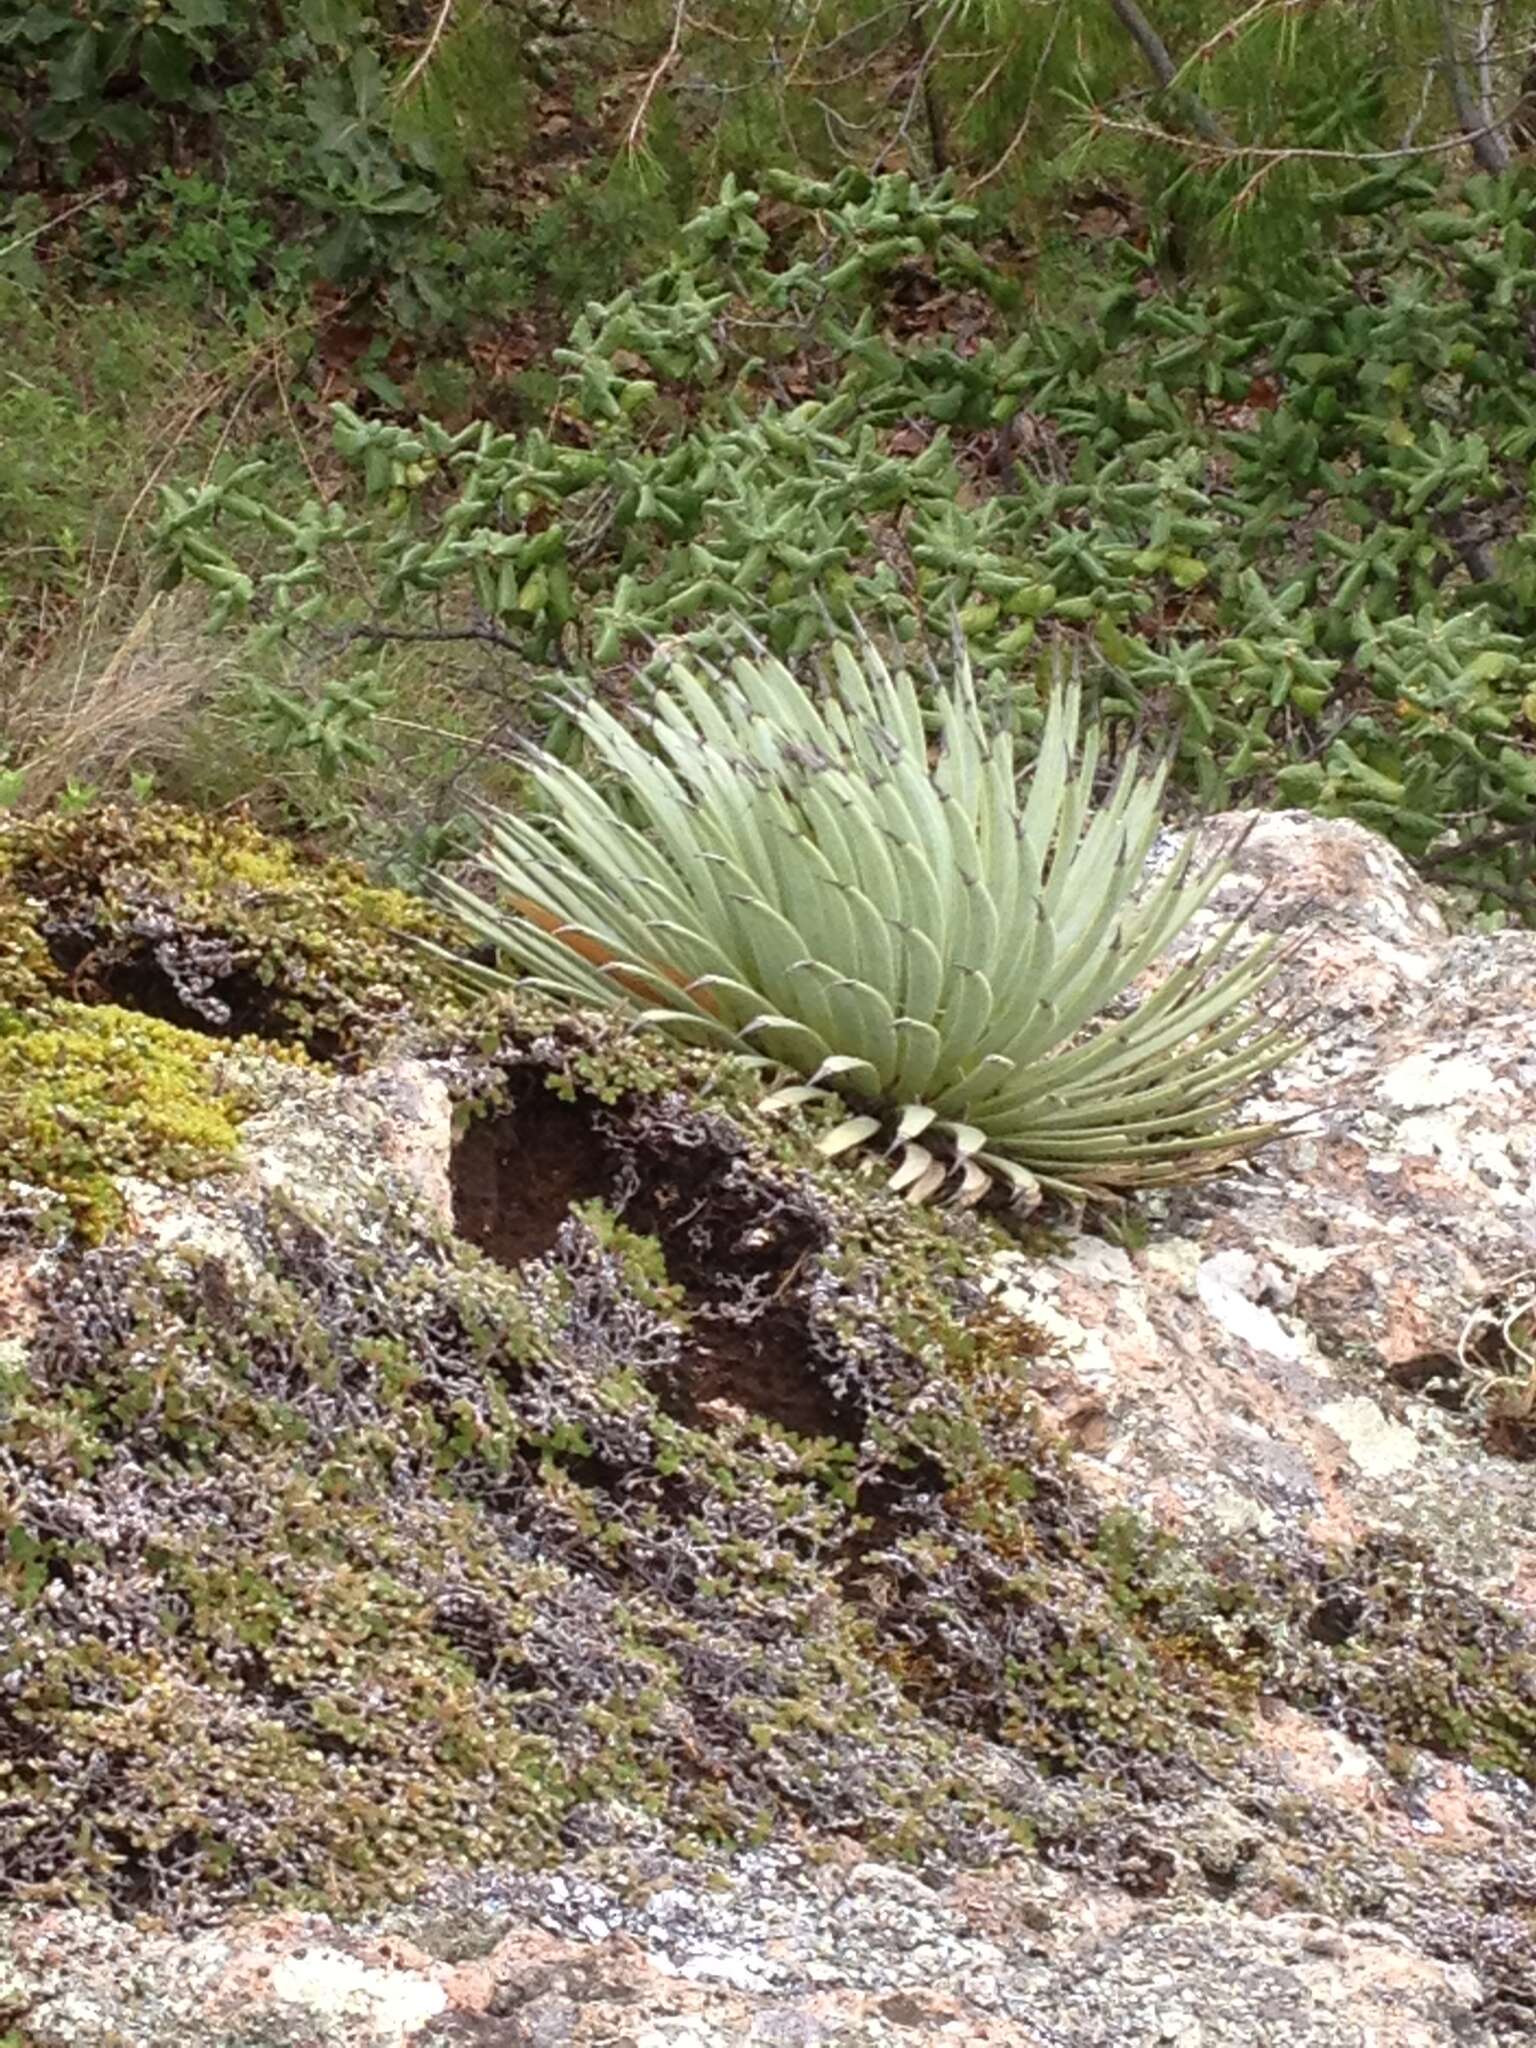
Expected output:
{"points": [[1231, 151], [938, 146], [668, 58], [1230, 32], [487, 634], [1487, 842], [1000, 63], [1022, 130], [1416, 120], [856, 32], [428, 53], [1477, 123], [113, 191], [1250, 191], [1485, 44], [459, 739], [1164, 70], [919, 95]]}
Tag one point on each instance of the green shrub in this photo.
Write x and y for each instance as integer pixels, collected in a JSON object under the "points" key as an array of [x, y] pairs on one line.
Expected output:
{"points": [[1291, 530], [90, 79], [312, 172]]}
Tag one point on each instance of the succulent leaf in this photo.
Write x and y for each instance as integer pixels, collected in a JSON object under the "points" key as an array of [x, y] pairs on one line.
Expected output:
{"points": [[909, 935]]}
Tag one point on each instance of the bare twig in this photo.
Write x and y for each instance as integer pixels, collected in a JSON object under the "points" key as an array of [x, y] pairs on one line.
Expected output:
{"points": [[459, 739], [668, 58], [1164, 70], [115, 190], [1416, 120], [428, 52], [1148, 131], [1494, 1348], [858, 30], [482, 631]]}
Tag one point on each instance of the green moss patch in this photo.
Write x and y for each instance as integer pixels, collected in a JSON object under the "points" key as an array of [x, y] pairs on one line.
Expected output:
{"points": [[94, 1094], [134, 945], [208, 924]]}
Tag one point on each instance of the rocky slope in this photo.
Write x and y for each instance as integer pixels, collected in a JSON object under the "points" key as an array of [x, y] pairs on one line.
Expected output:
{"points": [[501, 1549]]}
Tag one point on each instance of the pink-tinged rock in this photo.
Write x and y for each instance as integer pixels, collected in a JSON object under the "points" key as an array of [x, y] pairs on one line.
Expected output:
{"points": [[1249, 1367]]}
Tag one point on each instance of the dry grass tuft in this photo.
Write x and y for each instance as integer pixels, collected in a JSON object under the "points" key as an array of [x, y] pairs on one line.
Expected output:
{"points": [[121, 692]]}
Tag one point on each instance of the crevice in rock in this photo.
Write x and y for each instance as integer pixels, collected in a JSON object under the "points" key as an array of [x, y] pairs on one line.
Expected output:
{"points": [[517, 1173], [195, 987], [892, 1504], [763, 1368], [734, 1243], [1335, 1618], [1436, 1375], [1498, 1400]]}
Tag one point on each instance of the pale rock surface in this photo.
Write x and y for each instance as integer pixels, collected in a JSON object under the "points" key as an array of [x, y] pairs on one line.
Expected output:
{"points": [[1242, 1369]]}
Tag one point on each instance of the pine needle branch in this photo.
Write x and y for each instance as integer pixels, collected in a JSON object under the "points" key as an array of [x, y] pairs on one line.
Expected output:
{"points": [[636, 134], [1149, 131]]}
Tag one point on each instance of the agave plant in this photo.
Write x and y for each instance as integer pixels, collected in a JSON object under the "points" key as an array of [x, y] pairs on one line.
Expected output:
{"points": [[787, 874]]}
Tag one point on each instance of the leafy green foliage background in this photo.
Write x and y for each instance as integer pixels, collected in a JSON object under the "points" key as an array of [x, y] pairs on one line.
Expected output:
{"points": [[1295, 531], [1214, 395]]}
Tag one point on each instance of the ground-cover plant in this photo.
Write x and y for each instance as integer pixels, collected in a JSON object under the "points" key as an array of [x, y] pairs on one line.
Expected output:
{"points": [[247, 155], [787, 876], [153, 963], [1295, 531]]}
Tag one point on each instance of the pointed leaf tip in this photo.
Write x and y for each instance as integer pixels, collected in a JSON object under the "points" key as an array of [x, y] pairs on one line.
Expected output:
{"points": [[791, 1097], [856, 1130]]}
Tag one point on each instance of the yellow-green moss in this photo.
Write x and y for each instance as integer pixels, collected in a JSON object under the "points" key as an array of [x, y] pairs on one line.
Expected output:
{"points": [[27, 975], [221, 935], [91, 1094], [209, 923]]}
